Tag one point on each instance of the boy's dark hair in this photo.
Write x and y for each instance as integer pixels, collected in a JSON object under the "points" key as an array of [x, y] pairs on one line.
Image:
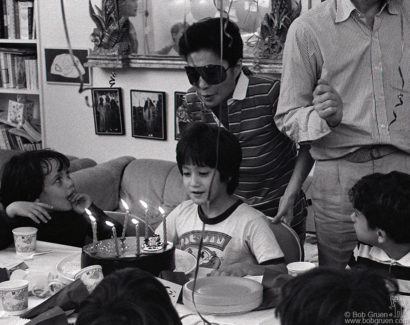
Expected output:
{"points": [[205, 34], [128, 297], [199, 145], [384, 200], [23, 175], [326, 296]]}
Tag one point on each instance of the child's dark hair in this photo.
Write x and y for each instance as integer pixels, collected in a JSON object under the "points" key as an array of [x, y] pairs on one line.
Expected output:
{"points": [[23, 175], [205, 35], [324, 296], [384, 200], [198, 146], [128, 297]]}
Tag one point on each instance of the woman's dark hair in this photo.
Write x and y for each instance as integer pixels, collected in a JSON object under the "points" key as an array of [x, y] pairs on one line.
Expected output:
{"points": [[206, 145], [205, 35], [326, 296], [384, 200], [128, 297], [23, 175]]}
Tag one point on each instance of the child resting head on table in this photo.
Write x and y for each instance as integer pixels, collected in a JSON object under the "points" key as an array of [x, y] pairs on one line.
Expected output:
{"points": [[237, 239], [128, 297], [37, 191], [324, 296], [382, 224]]}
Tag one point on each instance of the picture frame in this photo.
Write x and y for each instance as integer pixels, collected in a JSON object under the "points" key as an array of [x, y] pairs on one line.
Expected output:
{"points": [[181, 117], [108, 111], [148, 114], [61, 70]]}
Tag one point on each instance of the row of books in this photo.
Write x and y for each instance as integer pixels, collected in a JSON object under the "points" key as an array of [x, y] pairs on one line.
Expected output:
{"points": [[18, 70], [16, 19], [23, 138]]}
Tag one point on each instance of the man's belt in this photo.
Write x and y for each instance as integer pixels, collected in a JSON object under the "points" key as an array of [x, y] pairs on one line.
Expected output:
{"points": [[370, 153]]}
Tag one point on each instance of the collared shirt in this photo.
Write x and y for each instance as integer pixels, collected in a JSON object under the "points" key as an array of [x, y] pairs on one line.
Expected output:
{"points": [[368, 68], [377, 259], [268, 156]]}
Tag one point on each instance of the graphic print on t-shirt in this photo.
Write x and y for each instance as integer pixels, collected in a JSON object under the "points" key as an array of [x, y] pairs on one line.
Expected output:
{"points": [[214, 243]]}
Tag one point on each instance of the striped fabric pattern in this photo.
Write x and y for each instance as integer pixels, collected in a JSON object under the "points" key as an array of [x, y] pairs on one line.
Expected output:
{"points": [[268, 155]]}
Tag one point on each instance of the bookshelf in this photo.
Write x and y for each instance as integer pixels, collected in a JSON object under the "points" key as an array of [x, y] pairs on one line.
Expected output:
{"points": [[27, 88]]}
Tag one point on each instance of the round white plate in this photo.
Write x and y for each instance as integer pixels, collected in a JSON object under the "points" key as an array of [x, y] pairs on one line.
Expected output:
{"points": [[184, 262], [223, 295]]}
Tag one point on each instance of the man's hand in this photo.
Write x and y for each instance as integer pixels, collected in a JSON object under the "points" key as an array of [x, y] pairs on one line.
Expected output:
{"points": [[80, 202], [239, 269], [36, 211], [328, 103], [285, 209]]}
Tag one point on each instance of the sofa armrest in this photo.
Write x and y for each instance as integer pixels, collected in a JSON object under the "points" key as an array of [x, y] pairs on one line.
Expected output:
{"points": [[102, 182]]}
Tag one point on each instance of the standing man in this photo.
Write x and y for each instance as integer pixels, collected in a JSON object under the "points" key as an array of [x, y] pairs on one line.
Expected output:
{"points": [[245, 105], [345, 91]]}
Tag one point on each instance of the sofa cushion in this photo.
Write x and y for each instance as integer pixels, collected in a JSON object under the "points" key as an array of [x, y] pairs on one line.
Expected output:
{"points": [[102, 182], [157, 182]]}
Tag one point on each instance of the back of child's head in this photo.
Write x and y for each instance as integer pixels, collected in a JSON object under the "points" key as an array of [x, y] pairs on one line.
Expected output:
{"points": [[206, 35], [326, 296], [23, 175], [128, 297], [210, 146], [384, 200]]}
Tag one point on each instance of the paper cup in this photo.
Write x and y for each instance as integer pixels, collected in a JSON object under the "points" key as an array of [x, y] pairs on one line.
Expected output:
{"points": [[91, 276], [296, 268], [25, 240], [14, 296]]}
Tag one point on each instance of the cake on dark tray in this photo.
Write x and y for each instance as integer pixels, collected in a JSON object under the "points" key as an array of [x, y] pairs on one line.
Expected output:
{"points": [[153, 257]]}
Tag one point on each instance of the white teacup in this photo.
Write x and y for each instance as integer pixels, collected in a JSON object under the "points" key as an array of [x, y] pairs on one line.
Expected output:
{"points": [[25, 240], [296, 268], [14, 296], [91, 276]]}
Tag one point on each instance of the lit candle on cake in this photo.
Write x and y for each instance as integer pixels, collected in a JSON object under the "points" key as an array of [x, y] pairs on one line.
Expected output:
{"points": [[114, 233], [164, 224], [137, 236], [126, 218], [146, 217], [93, 225]]}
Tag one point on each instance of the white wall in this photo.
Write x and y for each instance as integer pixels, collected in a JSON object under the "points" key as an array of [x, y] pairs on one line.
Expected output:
{"points": [[69, 123]]}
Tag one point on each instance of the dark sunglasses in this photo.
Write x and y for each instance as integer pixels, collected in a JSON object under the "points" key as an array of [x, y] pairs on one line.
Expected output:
{"points": [[212, 74]]}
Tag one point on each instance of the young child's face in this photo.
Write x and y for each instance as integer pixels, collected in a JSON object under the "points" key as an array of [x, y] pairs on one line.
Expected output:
{"points": [[364, 233], [58, 188], [197, 181]]}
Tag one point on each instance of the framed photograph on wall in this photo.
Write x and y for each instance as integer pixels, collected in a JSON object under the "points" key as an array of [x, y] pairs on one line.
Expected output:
{"points": [[181, 116], [61, 69], [108, 111], [148, 114]]}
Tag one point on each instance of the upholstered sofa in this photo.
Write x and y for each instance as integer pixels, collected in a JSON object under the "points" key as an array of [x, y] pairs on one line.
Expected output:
{"points": [[156, 182]]}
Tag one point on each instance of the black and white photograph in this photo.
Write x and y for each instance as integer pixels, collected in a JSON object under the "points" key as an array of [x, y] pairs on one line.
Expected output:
{"points": [[148, 114], [180, 113], [108, 112]]}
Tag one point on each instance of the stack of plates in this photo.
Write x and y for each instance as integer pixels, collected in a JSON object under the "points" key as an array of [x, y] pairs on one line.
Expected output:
{"points": [[223, 295]]}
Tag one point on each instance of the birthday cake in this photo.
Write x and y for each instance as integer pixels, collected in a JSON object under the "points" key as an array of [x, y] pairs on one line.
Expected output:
{"points": [[152, 257]]}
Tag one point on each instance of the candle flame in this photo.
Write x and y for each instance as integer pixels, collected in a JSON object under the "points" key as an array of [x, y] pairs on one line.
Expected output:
{"points": [[125, 205], [109, 223], [88, 212], [92, 218], [134, 221], [144, 204], [161, 210]]}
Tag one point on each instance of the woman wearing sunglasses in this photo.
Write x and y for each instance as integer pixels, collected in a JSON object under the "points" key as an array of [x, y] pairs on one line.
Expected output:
{"points": [[271, 173]]}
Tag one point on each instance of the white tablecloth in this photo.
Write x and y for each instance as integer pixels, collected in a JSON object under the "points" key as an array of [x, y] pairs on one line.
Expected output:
{"points": [[47, 263]]}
